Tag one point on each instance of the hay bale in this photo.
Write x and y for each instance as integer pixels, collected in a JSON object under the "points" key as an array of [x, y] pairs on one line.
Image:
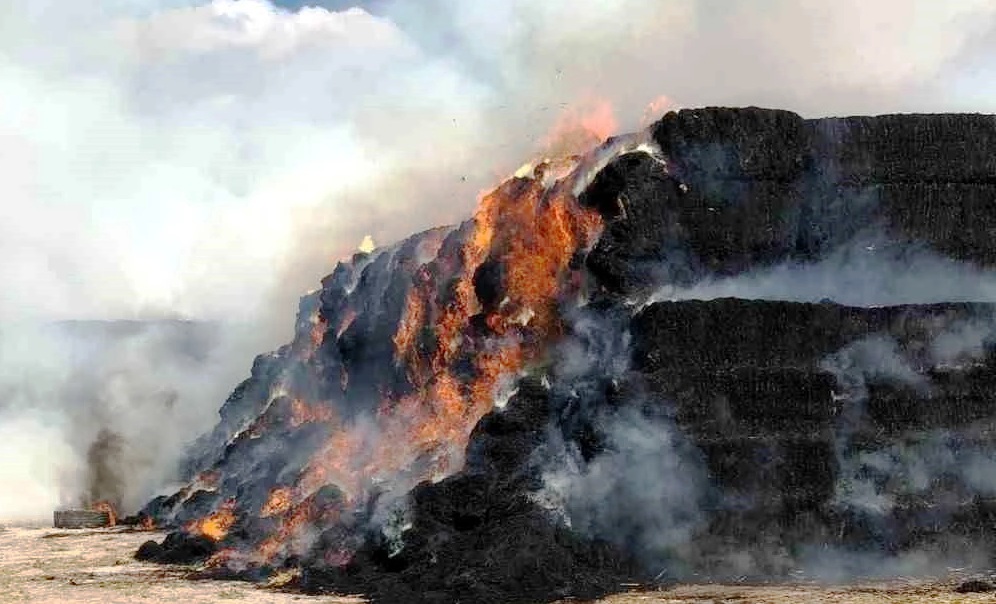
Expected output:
{"points": [[76, 519]]}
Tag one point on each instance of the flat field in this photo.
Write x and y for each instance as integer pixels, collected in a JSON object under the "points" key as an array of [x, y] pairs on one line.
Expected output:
{"points": [[97, 567]]}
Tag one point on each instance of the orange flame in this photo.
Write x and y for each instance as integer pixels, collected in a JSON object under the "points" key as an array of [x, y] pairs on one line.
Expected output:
{"points": [[293, 520], [579, 128], [534, 233], [106, 506], [533, 228], [318, 327], [278, 503], [303, 413], [224, 557], [655, 110], [215, 526]]}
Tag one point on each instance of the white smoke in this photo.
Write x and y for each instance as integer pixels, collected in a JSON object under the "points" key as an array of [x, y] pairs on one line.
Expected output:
{"points": [[645, 492], [146, 390], [645, 489], [869, 271], [181, 156], [872, 480]]}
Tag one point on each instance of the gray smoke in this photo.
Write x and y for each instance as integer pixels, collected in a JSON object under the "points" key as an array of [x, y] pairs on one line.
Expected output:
{"points": [[644, 493], [868, 271], [103, 410], [645, 489], [213, 158], [872, 480]]}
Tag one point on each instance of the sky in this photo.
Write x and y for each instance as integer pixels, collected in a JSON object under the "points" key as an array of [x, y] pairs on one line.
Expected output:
{"points": [[213, 159]]}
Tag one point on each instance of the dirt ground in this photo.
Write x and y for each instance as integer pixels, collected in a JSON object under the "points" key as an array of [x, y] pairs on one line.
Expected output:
{"points": [[96, 566]]}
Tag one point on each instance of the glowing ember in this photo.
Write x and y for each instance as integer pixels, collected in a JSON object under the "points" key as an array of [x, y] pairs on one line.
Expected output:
{"points": [[215, 526], [106, 506], [303, 413], [483, 303], [279, 502]]}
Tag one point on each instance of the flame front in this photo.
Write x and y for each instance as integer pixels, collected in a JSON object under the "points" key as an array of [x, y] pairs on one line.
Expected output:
{"points": [[484, 302], [532, 233], [215, 526]]}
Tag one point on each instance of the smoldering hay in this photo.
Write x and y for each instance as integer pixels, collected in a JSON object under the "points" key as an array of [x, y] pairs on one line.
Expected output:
{"points": [[205, 160], [533, 404]]}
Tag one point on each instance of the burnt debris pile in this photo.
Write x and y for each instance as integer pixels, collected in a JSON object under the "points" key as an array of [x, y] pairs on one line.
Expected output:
{"points": [[547, 401]]}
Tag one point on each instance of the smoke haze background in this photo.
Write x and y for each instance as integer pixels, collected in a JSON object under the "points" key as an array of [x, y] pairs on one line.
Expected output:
{"points": [[211, 160]]}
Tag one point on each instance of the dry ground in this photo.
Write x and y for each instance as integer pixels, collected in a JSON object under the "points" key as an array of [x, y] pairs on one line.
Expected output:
{"points": [[96, 566]]}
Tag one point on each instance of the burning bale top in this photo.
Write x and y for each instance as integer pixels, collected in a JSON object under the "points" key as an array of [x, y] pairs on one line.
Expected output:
{"points": [[527, 405]]}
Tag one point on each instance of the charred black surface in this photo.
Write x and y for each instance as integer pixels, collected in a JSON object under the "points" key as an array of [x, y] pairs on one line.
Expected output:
{"points": [[749, 187], [177, 548], [751, 385], [783, 407], [479, 536]]}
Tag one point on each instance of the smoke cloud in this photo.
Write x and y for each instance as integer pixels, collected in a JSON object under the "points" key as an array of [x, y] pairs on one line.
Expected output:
{"points": [[201, 158], [868, 271], [878, 477], [93, 411], [645, 492], [645, 487]]}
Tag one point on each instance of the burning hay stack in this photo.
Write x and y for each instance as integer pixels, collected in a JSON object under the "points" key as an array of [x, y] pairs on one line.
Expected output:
{"points": [[623, 368]]}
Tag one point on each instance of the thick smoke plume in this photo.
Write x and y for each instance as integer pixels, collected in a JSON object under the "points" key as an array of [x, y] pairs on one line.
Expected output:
{"points": [[103, 411], [645, 487], [204, 158]]}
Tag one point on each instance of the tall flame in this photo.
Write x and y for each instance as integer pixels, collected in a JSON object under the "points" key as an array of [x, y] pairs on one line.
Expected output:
{"points": [[579, 128], [215, 526], [476, 313]]}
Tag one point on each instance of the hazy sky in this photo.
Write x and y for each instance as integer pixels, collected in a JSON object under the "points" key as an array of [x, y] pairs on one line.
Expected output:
{"points": [[213, 159]]}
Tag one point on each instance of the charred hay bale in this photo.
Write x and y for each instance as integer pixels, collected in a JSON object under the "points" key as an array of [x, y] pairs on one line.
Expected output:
{"points": [[643, 235], [909, 148], [727, 333], [503, 440], [468, 545], [958, 218], [76, 519], [975, 586], [734, 143], [956, 398], [177, 548], [749, 385], [750, 401], [759, 186], [150, 551]]}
